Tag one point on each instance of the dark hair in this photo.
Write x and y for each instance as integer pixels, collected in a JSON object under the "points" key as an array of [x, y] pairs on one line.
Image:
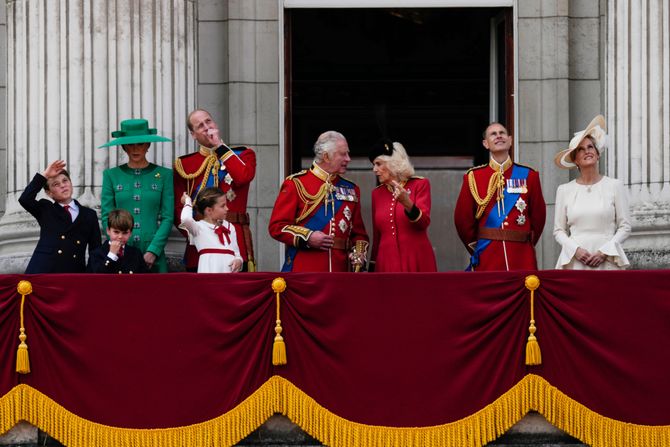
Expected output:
{"points": [[573, 155], [207, 198], [120, 219], [491, 124], [188, 118], [64, 172]]}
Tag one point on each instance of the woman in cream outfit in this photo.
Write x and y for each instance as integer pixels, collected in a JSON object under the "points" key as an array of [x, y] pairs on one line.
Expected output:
{"points": [[592, 217]]}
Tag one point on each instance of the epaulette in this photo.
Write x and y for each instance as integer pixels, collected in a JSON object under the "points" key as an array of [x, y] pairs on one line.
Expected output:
{"points": [[187, 155], [297, 174], [525, 166], [347, 180], [474, 168]]}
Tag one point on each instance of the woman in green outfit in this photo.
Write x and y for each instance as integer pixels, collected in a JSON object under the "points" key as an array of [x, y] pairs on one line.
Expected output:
{"points": [[142, 188]]}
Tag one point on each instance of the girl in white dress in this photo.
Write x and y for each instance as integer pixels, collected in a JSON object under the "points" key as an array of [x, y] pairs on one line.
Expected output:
{"points": [[214, 238], [592, 216]]}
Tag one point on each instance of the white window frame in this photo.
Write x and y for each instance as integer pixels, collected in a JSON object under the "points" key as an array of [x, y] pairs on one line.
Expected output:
{"points": [[351, 4]]}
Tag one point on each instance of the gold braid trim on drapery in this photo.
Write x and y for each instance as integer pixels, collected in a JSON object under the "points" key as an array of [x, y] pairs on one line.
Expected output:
{"points": [[278, 395]]}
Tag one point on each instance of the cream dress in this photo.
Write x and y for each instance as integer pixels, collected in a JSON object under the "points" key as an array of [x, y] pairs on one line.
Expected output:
{"points": [[202, 235], [594, 217]]}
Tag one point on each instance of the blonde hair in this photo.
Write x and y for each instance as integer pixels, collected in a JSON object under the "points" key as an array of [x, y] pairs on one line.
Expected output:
{"points": [[398, 163]]}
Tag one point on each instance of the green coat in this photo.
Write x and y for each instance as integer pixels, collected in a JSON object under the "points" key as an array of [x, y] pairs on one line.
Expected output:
{"points": [[148, 195]]}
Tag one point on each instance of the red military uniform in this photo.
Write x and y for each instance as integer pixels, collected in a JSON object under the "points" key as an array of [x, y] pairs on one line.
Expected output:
{"points": [[513, 241], [298, 209], [231, 170], [400, 242]]}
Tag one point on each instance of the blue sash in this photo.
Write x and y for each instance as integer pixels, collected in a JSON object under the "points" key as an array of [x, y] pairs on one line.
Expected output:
{"points": [[222, 174], [319, 219], [494, 220]]}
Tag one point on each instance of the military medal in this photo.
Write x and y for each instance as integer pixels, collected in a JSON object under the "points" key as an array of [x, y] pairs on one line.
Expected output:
{"points": [[343, 225], [230, 195], [520, 205], [347, 212], [521, 219], [516, 186], [228, 179]]}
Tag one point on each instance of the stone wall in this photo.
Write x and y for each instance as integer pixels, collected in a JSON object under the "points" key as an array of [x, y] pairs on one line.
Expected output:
{"points": [[3, 102], [238, 81]]}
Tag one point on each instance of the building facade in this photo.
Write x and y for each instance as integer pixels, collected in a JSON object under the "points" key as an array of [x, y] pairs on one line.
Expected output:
{"points": [[75, 68]]}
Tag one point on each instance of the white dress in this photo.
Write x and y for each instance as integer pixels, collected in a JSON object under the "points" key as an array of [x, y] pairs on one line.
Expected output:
{"points": [[595, 217], [202, 235]]}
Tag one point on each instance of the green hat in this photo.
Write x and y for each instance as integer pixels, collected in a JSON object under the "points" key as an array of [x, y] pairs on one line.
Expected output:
{"points": [[132, 132]]}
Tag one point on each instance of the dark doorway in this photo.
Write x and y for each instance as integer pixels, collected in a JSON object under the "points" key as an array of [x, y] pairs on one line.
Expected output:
{"points": [[418, 76]]}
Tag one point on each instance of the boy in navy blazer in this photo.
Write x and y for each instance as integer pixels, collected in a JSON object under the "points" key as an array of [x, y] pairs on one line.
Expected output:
{"points": [[114, 256], [67, 228]]}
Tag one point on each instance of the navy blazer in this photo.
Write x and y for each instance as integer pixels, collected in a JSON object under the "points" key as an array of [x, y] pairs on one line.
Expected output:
{"points": [[61, 247], [132, 261]]}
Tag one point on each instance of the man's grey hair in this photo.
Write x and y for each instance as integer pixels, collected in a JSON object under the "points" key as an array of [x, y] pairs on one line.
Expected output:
{"points": [[326, 143]]}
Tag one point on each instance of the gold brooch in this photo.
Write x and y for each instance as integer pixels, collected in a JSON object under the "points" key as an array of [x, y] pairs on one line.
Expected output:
{"points": [[158, 175]]}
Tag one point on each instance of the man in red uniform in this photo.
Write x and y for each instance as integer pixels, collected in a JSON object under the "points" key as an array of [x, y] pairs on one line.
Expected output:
{"points": [[500, 211], [318, 214], [216, 164]]}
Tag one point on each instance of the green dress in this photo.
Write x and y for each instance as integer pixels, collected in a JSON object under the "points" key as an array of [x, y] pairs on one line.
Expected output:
{"points": [[149, 196]]}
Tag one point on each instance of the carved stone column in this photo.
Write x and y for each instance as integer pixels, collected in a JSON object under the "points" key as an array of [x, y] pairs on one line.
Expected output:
{"points": [[639, 121], [75, 69]]}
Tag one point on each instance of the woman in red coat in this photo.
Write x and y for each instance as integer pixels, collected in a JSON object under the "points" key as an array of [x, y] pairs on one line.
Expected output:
{"points": [[400, 213]]}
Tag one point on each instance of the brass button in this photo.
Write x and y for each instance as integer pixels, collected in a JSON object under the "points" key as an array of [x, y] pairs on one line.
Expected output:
{"points": [[74, 256], [62, 236], [78, 242], [60, 252]]}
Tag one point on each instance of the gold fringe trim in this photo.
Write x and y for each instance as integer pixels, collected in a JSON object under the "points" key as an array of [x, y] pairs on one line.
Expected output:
{"points": [[26, 403], [278, 395]]}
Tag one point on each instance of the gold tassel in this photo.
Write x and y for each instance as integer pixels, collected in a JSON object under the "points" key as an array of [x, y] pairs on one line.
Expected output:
{"points": [[278, 347], [22, 359], [533, 353]]}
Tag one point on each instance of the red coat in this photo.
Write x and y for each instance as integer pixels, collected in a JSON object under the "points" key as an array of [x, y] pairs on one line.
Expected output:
{"points": [[520, 255], [241, 170], [293, 209], [401, 244]]}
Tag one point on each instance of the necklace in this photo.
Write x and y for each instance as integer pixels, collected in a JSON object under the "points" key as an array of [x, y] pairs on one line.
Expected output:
{"points": [[589, 184]]}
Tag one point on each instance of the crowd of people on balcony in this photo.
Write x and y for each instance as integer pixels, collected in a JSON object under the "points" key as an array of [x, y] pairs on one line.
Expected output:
{"points": [[499, 215]]}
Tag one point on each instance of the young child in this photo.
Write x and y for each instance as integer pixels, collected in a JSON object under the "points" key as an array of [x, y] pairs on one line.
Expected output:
{"points": [[114, 256], [66, 226], [213, 237]]}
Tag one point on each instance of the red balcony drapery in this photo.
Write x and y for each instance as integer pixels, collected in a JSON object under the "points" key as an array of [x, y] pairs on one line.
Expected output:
{"points": [[381, 353]]}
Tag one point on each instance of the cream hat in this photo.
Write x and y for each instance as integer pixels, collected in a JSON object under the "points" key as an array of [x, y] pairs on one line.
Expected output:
{"points": [[596, 129]]}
